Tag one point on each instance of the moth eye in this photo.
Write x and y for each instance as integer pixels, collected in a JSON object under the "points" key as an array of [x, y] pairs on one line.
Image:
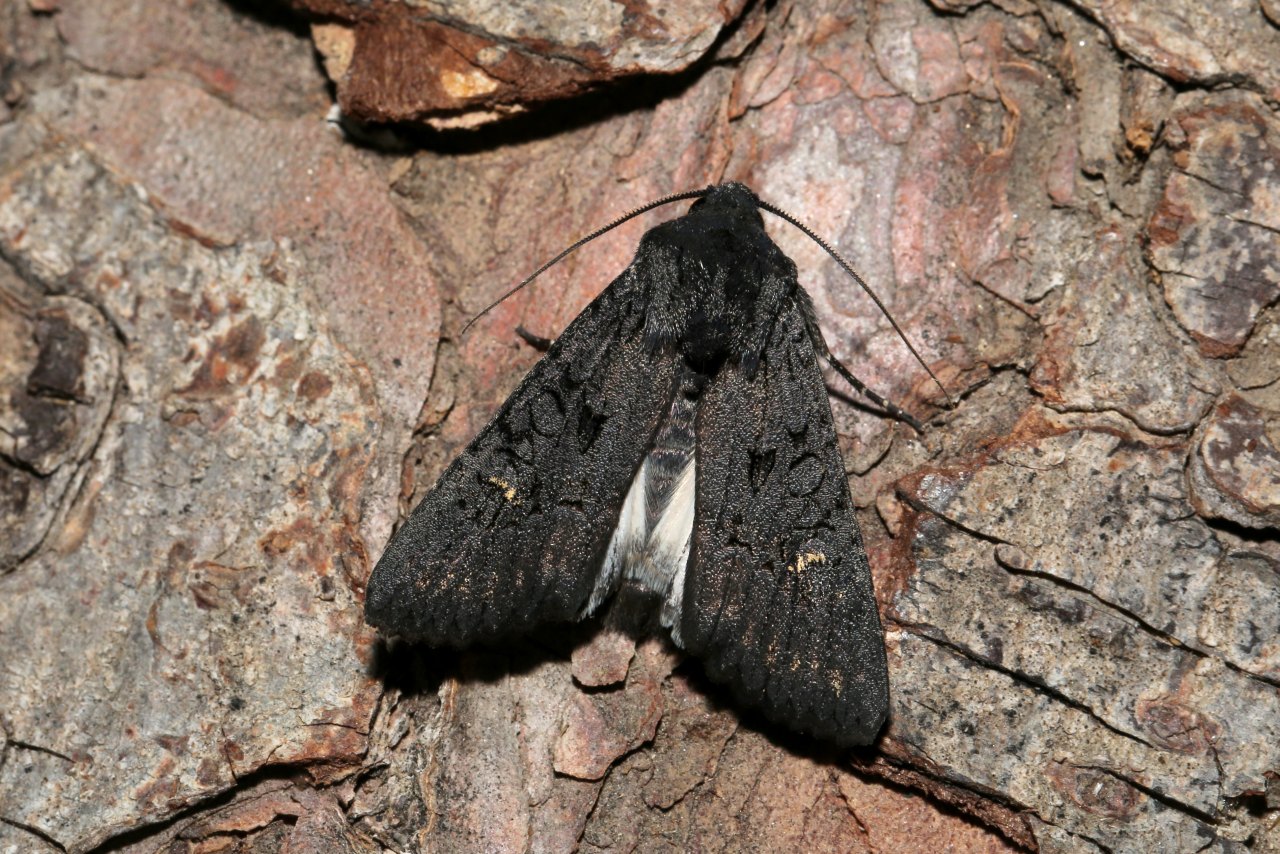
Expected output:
{"points": [[805, 476]]}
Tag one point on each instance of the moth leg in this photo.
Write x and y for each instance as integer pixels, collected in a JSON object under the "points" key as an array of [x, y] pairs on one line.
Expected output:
{"points": [[861, 387], [537, 342], [820, 345]]}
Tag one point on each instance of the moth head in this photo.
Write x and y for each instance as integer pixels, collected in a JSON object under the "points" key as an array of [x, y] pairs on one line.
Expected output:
{"points": [[732, 197]]}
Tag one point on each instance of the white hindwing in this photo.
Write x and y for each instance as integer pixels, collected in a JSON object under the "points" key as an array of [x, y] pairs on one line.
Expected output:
{"points": [[653, 558]]}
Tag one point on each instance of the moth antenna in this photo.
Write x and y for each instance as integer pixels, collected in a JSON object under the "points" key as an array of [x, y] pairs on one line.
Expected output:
{"points": [[812, 235], [665, 200]]}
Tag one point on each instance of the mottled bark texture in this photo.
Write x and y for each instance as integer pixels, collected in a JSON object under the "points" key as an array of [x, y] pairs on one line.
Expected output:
{"points": [[230, 362]]}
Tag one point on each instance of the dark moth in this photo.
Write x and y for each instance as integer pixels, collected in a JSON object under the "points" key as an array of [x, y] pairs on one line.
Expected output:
{"points": [[677, 436]]}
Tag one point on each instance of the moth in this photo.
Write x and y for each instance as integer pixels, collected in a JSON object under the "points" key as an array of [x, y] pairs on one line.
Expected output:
{"points": [[677, 437]]}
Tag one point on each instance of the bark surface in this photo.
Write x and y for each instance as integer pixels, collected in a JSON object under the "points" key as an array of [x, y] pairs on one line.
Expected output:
{"points": [[231, 361]]}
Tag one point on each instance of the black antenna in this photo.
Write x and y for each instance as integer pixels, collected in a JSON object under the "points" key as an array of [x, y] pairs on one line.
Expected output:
{"points": [[779, 212], [665, 200]]}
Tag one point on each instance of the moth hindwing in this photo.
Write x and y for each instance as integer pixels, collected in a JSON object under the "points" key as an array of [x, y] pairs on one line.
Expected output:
{"points": [[677, 437]]}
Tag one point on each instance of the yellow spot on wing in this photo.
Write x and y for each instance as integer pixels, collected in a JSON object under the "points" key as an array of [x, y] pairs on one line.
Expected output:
{"points": [[508, 491], [806, 560]]}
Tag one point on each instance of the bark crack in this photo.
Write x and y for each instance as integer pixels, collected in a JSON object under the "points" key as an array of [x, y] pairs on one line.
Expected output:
{"points": [[1155, 794], [1158, 634], [34, 831], [36, 748], [1138, 621], [1253, 222], [1027, 679]]}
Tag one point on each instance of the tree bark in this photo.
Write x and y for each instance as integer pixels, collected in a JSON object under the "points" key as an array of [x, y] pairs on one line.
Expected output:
{"points": [[232, 358]]}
